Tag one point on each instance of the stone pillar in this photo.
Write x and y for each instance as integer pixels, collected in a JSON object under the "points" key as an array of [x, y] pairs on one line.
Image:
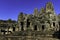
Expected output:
{"points": [[19, 25], [51, 24], [31, 26], [40, 27], [37, 28], [57, 26], [17, 28], [25, 28]]}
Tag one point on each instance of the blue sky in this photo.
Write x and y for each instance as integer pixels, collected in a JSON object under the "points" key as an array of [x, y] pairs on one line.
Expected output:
{"points": [[11, 8]]}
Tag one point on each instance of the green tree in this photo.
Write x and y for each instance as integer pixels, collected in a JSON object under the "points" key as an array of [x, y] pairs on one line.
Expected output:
{"points": [[9, 20]]}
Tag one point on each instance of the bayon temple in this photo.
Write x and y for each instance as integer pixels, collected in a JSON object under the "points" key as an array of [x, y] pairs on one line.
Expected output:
{"points": [[41, 22]]}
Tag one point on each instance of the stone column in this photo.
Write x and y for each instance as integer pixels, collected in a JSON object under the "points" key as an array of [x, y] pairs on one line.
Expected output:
{"points": [[31, 26], [25, 28], [37, 28], [51, 23], [20, 27], [16, 28]]}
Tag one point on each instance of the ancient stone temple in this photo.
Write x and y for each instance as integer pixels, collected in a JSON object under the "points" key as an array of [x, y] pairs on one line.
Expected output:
{"points": [[42, 23], [43, 20]]}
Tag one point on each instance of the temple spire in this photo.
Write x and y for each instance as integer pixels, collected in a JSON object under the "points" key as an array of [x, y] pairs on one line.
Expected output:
{"points": [[49, 7], [36, 12], [42, 10]]}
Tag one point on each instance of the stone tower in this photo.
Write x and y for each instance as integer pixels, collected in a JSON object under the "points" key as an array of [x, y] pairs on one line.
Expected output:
{"points": [[42, 10], [51, 16], [36, 12], [20, 22], [49, 7]]}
